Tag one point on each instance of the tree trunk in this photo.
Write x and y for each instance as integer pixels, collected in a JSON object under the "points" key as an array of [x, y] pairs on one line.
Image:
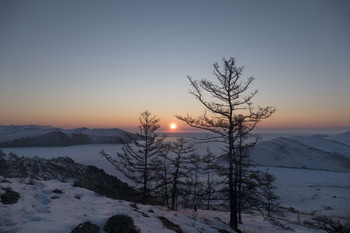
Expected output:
{"points": [[240, 182], [232, 188], [174, 191], [209, 191], [145, 172], [194, 200]]}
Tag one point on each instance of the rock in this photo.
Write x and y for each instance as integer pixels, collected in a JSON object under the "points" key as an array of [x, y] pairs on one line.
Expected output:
{"points": [[120, 224], [86, 227], [9, 197], [170, 225], [58, 191]]}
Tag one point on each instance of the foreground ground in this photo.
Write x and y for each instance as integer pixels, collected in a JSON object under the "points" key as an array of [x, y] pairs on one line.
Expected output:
{"points": [[41, 208]]}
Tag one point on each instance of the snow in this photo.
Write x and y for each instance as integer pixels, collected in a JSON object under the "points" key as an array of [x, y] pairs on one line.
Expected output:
{"points": [[341, 138], [314, 191], [323, 144], [302, 152], [41, 210], [312, 178]]}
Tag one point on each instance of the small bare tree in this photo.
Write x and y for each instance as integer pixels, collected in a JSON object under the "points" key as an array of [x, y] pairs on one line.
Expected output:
{"points": [[134, 160], [163, 175], [182, 152], [209, 169], [228, 101], [194, 182]]}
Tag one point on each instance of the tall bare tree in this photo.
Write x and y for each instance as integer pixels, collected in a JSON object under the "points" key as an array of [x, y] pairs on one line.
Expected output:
{"points": [[135, 159], [229, 101]]}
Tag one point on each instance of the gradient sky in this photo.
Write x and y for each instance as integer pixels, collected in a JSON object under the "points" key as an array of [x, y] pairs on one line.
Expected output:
{"points": [[100, 63]]}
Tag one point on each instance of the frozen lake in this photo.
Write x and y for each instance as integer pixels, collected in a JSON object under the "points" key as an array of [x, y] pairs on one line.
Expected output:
{"points": [[90, 154]]}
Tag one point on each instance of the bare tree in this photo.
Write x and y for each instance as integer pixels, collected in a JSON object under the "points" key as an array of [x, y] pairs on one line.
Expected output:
{"points": [[194, 182], [134, 160], [258, 194], [209, 169], [245, 140], [228, 100], [163, 175], [182, 151]]}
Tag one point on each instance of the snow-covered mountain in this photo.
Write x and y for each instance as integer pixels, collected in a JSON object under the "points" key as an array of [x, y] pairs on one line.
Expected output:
{"points": [[307, 152], [36, 136]]}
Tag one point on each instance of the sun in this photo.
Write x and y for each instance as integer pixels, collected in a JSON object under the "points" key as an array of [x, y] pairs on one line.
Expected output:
{"points": [[173, 126]]}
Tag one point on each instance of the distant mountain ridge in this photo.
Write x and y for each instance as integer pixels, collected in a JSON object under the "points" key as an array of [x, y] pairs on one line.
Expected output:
{"points": [[41, 136]]}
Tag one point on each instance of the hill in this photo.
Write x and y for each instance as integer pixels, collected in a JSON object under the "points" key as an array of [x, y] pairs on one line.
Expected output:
{"points": [[343, 138], [307, 152], [43, 136]]}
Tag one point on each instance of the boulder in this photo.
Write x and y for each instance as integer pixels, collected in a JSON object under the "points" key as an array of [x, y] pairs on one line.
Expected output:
{"points": [[120, 224], [86, 227], [9, 197]]}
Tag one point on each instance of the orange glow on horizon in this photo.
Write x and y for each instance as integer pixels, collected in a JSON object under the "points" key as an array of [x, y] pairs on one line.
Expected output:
{"points": [[129, 120]]}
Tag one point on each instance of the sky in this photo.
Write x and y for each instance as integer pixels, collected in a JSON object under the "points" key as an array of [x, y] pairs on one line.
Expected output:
{"points": [[99, 64]]}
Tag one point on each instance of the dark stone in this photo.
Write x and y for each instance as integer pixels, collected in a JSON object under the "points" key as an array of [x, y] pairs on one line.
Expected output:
{"points": [[9, 197], [58, 191], [120, 224], [86, 227]]}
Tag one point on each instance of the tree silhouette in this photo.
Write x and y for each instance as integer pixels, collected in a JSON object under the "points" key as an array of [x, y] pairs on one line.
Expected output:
{"points": [[228, 103], [135, 159], [182, 152]]}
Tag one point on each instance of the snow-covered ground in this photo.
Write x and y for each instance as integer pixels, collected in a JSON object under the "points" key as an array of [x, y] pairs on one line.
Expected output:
{"points": [[312, 177], [314, 191], [41, 210]]}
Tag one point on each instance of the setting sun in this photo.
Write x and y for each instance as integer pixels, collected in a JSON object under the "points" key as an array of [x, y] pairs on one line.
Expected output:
{"points": [[172, 126]]}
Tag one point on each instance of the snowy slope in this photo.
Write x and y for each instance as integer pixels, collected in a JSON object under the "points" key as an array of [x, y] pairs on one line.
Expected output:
{"points": [[41, 210], [312, 152], [341, 138]]}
